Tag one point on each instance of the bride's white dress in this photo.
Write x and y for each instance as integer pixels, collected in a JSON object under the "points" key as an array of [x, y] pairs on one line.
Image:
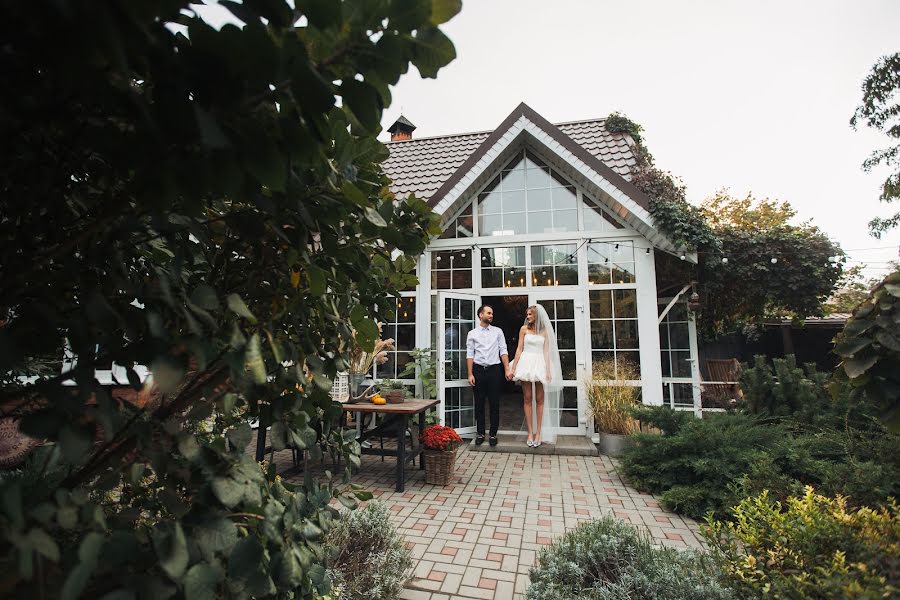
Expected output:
{"points": [[531, 365]]}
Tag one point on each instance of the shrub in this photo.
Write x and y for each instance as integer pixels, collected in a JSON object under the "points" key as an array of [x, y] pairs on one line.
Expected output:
{"points": [[371, 559], [607, 559], [610, 397], [810, 547], [696, 463]]}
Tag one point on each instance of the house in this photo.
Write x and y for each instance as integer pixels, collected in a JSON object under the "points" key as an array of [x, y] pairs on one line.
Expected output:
{"points": [[534, 212]]}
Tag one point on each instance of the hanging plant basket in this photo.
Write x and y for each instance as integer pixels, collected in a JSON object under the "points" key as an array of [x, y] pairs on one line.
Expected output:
{"points": [[440, 466]]}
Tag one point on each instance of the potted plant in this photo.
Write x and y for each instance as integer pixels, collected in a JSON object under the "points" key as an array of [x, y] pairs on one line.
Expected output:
{"points": [[612, 398], [393, 390], [439, 445], [422, 366]]}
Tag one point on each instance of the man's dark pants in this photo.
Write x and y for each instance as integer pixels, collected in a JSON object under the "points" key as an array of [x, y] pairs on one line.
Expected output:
{"points": [[488, 383]]}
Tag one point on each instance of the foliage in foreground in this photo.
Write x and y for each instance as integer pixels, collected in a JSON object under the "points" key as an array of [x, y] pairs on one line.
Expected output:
{"points": [[810, 547], [370, 559], [194, 200], [790, 434], [869, 346], [608, 559]]}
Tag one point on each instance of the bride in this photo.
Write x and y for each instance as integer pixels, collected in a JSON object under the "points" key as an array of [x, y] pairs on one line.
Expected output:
{"points": [[537, 367]]}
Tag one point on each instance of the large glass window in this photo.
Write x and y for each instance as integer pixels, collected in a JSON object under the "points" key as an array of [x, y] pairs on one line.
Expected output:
{"points": [[451, 269], [527, 197], [610, 262], [503, 267], [597, 219], [554, 265], [675, 351], [614, 327]]}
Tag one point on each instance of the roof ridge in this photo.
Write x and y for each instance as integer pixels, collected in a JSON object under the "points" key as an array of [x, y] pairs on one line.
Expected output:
{"points": [[487, 131]]}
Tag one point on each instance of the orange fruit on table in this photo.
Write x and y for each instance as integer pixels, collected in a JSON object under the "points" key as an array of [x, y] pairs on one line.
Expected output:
{"points": [[378, 400]]}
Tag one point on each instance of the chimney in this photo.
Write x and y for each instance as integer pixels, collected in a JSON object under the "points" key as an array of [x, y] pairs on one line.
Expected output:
{"points": [[401, 129]]}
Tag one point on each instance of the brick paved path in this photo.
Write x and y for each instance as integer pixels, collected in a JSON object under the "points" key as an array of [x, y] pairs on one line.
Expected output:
{"points": [[477, 537]]}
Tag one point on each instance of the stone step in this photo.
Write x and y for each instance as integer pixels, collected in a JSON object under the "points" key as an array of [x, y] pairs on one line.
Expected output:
{"points": [[566, 445]]}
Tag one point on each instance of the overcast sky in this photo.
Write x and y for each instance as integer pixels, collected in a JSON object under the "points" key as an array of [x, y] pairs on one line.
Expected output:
{"points": [[752, 96]]}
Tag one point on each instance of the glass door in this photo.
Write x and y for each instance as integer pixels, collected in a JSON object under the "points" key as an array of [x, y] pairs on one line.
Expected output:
{"points": [[566, 312], [455, 319]]}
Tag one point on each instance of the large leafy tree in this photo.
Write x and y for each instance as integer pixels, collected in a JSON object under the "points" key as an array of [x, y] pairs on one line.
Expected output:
{"points": [[194, 200], [880, 109], [736, 240]]}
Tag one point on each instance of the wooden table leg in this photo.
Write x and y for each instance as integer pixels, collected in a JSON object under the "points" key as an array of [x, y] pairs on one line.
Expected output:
{"points": [[261, 439], [401, 452], [419, 441]]}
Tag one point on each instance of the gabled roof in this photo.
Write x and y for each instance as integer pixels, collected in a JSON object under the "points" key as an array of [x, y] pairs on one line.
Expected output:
{"points": [[455, 167], [422, 165]]}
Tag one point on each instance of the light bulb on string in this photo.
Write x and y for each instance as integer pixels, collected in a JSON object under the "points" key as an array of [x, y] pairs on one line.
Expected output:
{"points": [[774, 260], [724, 260]]}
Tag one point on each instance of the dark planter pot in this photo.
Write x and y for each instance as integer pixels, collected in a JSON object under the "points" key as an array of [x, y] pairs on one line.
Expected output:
{"points": [[613, 444], [393, 396]]}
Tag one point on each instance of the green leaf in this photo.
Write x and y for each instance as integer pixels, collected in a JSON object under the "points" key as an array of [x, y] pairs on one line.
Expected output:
{"points": [[849, 347], [317, 574], [239, 435], [246, 559], [354, 195], [321, 13], [363, 495], [348, 501], [858, 366], [204, 296], [90, 547], [288, 570], [74, 441], [888, 341], [171, 549], [201, 582], [228, 491], [211, 134], [364, 101], [317, 281], [239, 308], [188, 446], [67, 516], [43, 544], [277, 436], [12, 504], [444, 10], [432, 50], [76, 581], [254, 360], [215, 535], [374, 217]]}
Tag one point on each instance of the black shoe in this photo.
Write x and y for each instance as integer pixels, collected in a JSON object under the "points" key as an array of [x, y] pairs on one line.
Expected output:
{"points": [[479, 439], [493, 440]]}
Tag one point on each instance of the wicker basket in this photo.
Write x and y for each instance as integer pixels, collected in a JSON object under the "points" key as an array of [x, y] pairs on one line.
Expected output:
{"points": [[440, 465]]}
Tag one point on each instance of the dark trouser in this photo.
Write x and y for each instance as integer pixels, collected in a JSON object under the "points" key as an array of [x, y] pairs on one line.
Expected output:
{"points": [[488, 382]]}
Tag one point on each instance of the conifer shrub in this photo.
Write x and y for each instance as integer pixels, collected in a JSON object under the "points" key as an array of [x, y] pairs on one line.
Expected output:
{"points": [[607, 559]]}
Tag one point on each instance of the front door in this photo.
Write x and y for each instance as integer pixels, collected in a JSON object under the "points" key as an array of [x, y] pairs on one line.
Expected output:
{"points": [[456, 317], [566, 312]]}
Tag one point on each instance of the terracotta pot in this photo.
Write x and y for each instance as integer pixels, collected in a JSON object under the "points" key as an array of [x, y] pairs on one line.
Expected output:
{"points": [[393, 396]]}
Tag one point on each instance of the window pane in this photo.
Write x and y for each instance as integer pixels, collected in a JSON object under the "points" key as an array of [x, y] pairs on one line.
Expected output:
{"points": [[681, 365], [489, 202], [440, 280], [601, 356], [406, 337], [490, 225], [565, 220], [565, 309], [601, 304], [538, 178], [663, 336], [683, 394], [679, 336], [599, 273], [666, 367], [632, 359], [626, 304], [565, 335], [593, 218], [564, 198], [568, 363], [462, 279], [678, 312], [627, 335], [567, 275], [514, 224], [623, 273], [513, 180], [601, 335], [539, 199], [492, 277], [406, 310], [514, 201], [539, 222]]}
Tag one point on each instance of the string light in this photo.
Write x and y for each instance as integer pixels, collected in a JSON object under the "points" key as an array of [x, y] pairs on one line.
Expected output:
{"points": [[774, 260], [724, 260]]}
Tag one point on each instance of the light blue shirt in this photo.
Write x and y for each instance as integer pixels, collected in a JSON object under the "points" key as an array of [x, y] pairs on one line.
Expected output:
{"points": [[486, 345]]}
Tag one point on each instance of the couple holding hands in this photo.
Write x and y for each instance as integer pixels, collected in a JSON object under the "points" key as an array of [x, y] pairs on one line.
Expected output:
{"points": [[536, 367]]}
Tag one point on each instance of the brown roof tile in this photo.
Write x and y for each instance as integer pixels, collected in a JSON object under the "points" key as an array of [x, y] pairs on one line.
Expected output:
{"points": [[422, 165]]}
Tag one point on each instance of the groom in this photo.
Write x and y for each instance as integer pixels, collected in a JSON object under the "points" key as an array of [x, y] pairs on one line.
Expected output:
{"points": [[485, 350]]}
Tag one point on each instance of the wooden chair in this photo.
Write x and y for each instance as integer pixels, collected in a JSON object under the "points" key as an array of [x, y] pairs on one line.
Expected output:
{"points": [[720, 395]]}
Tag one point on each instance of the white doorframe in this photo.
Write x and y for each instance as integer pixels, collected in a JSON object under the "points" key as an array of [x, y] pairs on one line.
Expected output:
{"points": [[582, 352], [456, 395]]}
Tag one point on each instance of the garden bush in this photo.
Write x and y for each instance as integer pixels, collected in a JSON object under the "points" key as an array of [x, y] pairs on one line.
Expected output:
{"points": [[371, 559], [810, 547], [607, 559]]}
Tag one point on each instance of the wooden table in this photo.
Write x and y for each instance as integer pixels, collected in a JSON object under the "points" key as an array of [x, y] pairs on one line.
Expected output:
{"points": [[395, 424]]}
